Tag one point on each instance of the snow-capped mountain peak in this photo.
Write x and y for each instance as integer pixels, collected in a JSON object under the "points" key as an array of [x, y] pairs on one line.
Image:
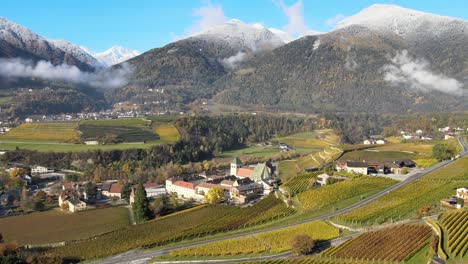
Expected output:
{"points": [[116, 54], [240, 35], [402, 21]]}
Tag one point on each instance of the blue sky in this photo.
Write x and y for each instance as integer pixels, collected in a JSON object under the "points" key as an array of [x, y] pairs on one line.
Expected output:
{"points": [[146, 24]]}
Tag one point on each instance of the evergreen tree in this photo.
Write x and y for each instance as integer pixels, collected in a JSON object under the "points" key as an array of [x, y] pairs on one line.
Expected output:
{"points": [[140, 205]]}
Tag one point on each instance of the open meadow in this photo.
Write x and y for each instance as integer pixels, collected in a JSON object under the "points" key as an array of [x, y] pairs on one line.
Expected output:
{"points": [[56, 226]]}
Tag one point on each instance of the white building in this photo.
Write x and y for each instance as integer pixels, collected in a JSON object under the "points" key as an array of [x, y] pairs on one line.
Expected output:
{"points": [[462, 193], [40, 169]]}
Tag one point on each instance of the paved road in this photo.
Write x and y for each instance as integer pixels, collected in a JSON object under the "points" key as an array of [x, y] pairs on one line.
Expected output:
{"points": [[136, 256]]}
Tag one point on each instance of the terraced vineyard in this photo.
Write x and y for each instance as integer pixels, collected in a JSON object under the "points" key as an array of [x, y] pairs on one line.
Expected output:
{"points": [[299, 183], [392, 244], [405, 201], [197, 222], [60, 132], [455, 225], [317, 260], [330, 194], [271, 242]]}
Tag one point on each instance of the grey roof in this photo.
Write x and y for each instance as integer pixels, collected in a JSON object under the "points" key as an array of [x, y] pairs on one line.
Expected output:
{"points": [[106, 186], [356, 164], [74, 200], [250, 186]]}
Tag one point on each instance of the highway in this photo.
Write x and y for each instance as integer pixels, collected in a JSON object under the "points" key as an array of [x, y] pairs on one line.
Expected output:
{"points": [[136, 256]]}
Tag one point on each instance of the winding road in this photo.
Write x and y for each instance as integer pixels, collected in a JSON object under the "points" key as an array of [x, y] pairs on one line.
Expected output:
{"points": [[137, 256]]}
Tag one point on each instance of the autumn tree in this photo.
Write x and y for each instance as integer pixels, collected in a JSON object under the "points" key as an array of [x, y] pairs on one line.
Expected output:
{"points": [[214, 196], [443, 151], [302, 244], [140, 205]]}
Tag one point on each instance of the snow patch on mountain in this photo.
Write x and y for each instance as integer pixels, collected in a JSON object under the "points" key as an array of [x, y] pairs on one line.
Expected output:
{"points": [[242, 36], [76, 52], [116, 54]]}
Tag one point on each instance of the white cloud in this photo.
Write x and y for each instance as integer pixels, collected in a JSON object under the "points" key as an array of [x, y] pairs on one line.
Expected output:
{"points": [[417, 74], [233, 61], [14, 68], [332, 21], [296, 26], [207, 16]]}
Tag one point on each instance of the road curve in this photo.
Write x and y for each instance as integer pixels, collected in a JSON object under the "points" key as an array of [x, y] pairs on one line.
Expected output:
{"points": [[137, 257]]}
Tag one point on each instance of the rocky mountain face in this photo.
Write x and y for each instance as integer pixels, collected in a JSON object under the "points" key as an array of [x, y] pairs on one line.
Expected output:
{"points": [[19, 41], [187, 68], [77, 52], [415, 62], [383, 59]]}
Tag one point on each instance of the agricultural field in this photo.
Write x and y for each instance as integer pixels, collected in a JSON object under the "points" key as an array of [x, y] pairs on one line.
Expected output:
{"points": [[256, 151], [392, 244], [43, 146], [53, 131], [405, 201], [455, 228], [268, 242], [56, 226], [328, 195], [168, 133], [127, 130], [300, 183], [307, 142], [193, 223], [314, 259]]}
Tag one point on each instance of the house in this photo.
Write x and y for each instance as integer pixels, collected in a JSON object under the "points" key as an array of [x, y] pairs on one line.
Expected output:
{"points": [[72, 200], [246, 192], [357, 167], [72, 185], [375, 167], [323, 179], [448, 136], [183, 189], [152, 190], [419, 131], [373, 141], [11, 197], [405, 163], [91, 142], [40, 169], [258, 173], [407, 136], [115, 190], [462, 193], [105, 188]]}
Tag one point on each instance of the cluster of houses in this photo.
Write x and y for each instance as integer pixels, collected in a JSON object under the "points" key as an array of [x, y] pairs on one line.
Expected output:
{"points": [[241, 185], [374, 141], [459, 200], [74, 198], [375, 167]]}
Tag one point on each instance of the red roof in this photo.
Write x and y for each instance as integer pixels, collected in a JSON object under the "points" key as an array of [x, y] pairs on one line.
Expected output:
{"points": [[68, 185], [245, 172], [188, 185], [116, 188]]}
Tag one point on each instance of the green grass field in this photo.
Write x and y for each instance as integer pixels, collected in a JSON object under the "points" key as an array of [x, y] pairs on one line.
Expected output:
{"points": [[257, 151], [56, 226]]}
